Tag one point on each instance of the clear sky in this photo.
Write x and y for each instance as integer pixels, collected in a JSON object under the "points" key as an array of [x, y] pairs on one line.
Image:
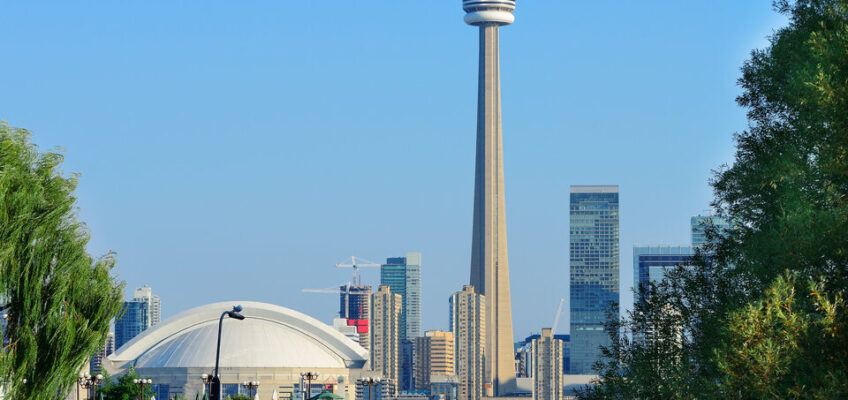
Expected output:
{"points": [[237, 150]]}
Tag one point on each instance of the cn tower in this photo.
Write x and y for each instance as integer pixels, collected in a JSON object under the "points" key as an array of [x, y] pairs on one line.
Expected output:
{"points": [[489, 266]]}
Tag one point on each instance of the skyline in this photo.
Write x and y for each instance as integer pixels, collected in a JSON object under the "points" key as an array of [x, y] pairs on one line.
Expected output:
{"points": [[207, 240]]}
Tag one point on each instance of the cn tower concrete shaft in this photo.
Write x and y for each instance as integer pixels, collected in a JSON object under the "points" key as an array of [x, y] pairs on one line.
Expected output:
{"points": [[489, 265]]}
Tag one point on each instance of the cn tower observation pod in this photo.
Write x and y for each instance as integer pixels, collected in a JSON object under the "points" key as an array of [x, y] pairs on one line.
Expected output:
{"points": [[488, 12]]}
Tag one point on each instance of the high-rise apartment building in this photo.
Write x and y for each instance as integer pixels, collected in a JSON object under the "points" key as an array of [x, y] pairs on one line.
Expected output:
{"points": [[489, 256], [355, 309], [525, 355], [154, 304], [108, 348], [385, 333], [594, 264], [650, 263], [468, 325], [699, 224], [403, 276], [434, 355], [547, 374], [133, 320]]}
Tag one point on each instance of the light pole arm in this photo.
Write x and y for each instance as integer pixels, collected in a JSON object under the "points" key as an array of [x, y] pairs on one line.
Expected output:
{"points": [[218, 352]]}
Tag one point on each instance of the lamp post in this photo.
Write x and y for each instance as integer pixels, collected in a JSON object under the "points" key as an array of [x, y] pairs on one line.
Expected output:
{"points": [[252, 387], [141, 384], [216, 379], [309, 376], [371, 382], [88, 383], [207, 380]]}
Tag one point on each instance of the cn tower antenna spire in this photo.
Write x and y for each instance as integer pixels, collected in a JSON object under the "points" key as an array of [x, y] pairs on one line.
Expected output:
{"points": [[489, 265]]}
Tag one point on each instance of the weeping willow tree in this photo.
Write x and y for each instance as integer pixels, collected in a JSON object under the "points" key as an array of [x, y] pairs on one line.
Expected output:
{"points": [[56, 299]]}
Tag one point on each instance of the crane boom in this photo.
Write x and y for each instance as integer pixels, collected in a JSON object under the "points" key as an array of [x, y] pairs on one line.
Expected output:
{"points": [[556, 317], [356, 263]]}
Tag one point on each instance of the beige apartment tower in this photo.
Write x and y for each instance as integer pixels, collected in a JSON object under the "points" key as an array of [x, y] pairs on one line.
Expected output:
{"points": [[489, 266], [385, 333], [547, 371], [433, 356], [468, 324]]}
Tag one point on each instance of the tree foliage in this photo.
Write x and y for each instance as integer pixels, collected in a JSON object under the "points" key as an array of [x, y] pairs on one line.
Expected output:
{"points": [[58, 300], [762, 314], [123, 388]]}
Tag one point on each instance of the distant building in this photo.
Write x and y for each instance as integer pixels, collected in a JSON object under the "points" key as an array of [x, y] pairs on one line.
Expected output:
{"points": [[468, 324], [525, 361], [403, 276], [547, 374], [355, 309], [154, 304], [594, 265], [434, 355], [341, 325], [97, 360], [385, 333], [134, 320], [443, 387], [650, 263], [384, 390], [699, 224]]}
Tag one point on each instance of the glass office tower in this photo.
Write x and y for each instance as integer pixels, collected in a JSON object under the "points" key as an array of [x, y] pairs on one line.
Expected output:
{"points": [[403, 276], [594, 265], [650, 263], [134, 320], [699, 224]]}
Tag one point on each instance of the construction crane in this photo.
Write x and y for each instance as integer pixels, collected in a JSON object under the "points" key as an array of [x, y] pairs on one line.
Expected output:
{"points": [[356, 263], [556, 317]]}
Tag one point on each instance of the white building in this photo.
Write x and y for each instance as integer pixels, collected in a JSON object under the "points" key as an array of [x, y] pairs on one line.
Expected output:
{"points": [[154, 304], [272, 345]]}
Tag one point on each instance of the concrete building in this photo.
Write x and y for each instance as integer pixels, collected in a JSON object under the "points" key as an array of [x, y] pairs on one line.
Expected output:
{"points": [[525, 356], [699, 225], [154, 304], [98, 358], [273, 345], [385, 333], [403, 276], [594, 265], [468, 325], [547, 374], [134, 320], [384, 390], [489, 260], [355, 309], [434, 355]]}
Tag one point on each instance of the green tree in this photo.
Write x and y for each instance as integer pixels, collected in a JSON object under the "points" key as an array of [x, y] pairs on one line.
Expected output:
{"points": [[787, 193], [123, 388], [57, 299]]}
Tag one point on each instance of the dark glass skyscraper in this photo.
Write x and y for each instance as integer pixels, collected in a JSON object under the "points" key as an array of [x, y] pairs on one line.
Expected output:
{"points": [[134, 320], [650, 263], [594, 264]]}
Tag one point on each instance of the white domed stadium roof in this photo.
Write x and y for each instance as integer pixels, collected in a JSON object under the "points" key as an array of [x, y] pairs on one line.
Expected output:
{"points": [[269, 336]]}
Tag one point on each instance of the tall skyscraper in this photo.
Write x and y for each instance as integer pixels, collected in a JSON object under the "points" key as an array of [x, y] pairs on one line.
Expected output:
{"points": [[594, 263], [468, 325], [133, 321], [699, 224], [547, 374], [355, 309], [489, 265], [108, 348], [403, 275], [650, 263], [154, 304], [434, 355], [385, 333]]}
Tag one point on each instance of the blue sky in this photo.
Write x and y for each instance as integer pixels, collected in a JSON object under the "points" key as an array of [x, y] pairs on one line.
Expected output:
{"points": [[235, 150]]}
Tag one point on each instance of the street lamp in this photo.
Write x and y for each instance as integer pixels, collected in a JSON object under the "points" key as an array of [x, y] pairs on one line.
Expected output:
{"points": [[88, 383], [251, 387], [207, 380], [141, 383], [216, 379], [371, 382], [309, 376]]}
